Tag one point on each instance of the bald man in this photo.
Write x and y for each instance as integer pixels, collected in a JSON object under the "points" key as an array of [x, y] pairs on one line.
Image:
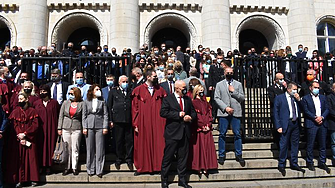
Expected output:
{"points": [[178, 110], [311, 76]]}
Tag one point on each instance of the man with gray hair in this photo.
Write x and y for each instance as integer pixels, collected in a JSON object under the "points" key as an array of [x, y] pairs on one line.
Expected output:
{"points": [[193, 74], [137, 77], [57, 86]]}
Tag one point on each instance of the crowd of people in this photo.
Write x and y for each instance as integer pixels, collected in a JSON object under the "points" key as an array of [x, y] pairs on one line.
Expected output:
{"points": [[162, 111]]}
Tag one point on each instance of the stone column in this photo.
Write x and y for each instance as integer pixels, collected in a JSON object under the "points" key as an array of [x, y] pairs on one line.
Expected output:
{"points": [[301, 24], [32, 24], [215, 21], [125, 25]]}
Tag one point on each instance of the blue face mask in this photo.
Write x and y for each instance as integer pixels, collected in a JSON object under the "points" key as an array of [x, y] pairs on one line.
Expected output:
{"points": [[80, 81], [170, 64], [110, 83], [105, 49], [71, 97], [124, 86], [315, 91], [300, 49], [161, 68]]}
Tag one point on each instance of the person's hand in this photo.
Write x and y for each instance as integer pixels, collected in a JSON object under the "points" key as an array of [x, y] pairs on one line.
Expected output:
{"points": [[210, 88], [181, 114], [187, 118], [229, 110], [104, 131], [59, 132], [280, 130], [296, 96], [285, 84], [136, 129], [85, 131], [23, 142], [318, 120], [111, 124], [21, 136], [231, 88]]}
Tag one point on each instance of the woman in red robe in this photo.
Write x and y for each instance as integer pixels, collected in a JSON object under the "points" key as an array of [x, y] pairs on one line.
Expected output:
{"points": [[149, 126], [48, 112], [29, 91], [193, 82], [202, 147], [22, 163]]}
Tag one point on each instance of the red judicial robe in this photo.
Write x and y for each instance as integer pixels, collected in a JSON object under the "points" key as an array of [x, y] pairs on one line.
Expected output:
{"points": [[48, 122], [22, 163], [202, 147], [15, 101], [6, 92], [149, 142]]}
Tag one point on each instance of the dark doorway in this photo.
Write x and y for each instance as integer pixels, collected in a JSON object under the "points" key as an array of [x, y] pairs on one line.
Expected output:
{"points": [[251, 38], [171, 37], [5, 37], [85, 36]]}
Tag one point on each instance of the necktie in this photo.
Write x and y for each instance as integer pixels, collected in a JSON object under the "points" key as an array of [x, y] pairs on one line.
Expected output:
{"points": [[181, 104], [294, 110], [55, 92], [171, 87]]}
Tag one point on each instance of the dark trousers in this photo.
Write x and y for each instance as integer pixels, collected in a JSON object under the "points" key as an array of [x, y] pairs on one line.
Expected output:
{"points": [[320, 133], [124, 140], [290, 137], [172, 146]]}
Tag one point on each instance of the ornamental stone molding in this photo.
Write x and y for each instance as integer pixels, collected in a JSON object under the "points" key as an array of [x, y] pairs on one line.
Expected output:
{"points": [[272, 31], [326, 18], [79, 6], [73, 21], [170, 6], [174, 20], [266, 9], [11, 27], [9, 7]]}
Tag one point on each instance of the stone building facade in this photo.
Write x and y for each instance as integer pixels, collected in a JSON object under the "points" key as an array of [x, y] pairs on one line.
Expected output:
{"points": [[228, 24]]}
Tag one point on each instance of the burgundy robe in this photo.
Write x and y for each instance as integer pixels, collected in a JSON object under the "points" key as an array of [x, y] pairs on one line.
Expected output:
{"points": [[15, 101], [48, 122], [6, 92], [149, 142], [202, 147], [22, 163]]}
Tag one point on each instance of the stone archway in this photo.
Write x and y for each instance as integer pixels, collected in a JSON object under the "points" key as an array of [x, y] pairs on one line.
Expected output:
{"points": [[171, 20], [73, 21], [6, 23], [267, 26]]}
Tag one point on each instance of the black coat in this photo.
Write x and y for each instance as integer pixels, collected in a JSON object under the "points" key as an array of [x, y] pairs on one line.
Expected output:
{"points": [[166, 86], [175, 125], [119, 106], [216, 74], [331, 115], [65, 86], [273, 91]]}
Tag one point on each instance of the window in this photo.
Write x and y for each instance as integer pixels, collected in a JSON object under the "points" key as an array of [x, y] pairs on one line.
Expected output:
{"points": [[326, 38]]}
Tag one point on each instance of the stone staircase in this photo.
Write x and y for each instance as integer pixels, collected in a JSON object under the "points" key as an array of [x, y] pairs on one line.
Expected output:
{"points": [[260, 171]]}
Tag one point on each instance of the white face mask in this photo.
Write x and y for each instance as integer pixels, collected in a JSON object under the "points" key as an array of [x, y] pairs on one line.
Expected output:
{"points": [[98, 93], [294, 91]]}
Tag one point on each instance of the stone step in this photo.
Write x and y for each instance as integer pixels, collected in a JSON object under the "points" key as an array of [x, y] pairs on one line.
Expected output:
{"points": [[222, 175]]}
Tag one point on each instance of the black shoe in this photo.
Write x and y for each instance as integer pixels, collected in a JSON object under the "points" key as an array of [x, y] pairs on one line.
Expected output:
{"points": [[165, 184], [75, 172], [240, 160], [137, 173], [48, 171], [298, 168], [282, 171], [310, 166], [118, 165], [221, 160], [99, 175], [130, 165], [66, 172], [324, 167], [90, 175], [184, 184]]}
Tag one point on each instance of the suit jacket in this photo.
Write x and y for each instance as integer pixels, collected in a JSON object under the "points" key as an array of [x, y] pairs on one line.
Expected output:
{"points": [[105, 93], [135, 84], [175, 126], [215, 75], [224, 98], [274, 91], [166, 86], [96, 120], [65, 86], [281, 112], [65, 121], [331, 115], [310, 112], [324, 88], [119, 106]]}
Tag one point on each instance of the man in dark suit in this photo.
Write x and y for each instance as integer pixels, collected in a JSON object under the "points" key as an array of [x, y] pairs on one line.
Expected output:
{"points": [[315, 113], [138, 77], [311, 76], [58, 87], [110, 84], [119, 106], [331, 120], [179, 113], [168, 85], [287, 120]]}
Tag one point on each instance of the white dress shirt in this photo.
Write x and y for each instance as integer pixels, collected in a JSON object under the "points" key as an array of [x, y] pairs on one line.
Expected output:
{"points": [[94, 104], [182, 100], [288, 97], [59, 91], [317, 104]]}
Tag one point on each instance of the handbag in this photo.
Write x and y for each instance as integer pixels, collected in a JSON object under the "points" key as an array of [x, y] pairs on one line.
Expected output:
{"points": [[61, 153]]}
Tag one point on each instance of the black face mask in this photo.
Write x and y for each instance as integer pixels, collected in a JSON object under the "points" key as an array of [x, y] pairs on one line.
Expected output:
{"points": [[184, 91], [114, 52], [22, 104], [201, 94], [229, 76], [155, 81], [28, 91], [22, 80], [188, 51], [43, 95]]}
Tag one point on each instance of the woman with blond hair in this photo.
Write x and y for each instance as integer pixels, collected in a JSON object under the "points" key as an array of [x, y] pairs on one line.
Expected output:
{"points": [[202, 148], [179, 73], [28, 89]]}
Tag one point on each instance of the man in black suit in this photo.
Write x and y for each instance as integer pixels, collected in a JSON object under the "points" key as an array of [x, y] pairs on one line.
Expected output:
{"points": [[138, 78], [311, 76], [58, 87], [331, 121], [119, 107], [179, 113], [168, 85]]}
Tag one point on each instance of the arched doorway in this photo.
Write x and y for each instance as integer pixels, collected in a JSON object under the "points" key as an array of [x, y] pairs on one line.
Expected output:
{"points": [[85, 36], [251, 38], [7, 32], [5, 36], [170, 26], [171, 37]]}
